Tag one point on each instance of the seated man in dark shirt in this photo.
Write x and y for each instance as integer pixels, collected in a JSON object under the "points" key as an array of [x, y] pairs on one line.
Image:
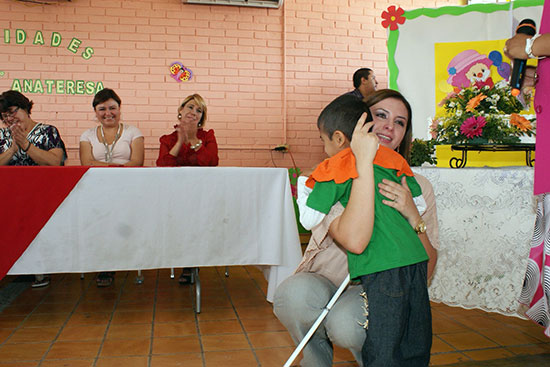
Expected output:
{"points": [[364, 82]]}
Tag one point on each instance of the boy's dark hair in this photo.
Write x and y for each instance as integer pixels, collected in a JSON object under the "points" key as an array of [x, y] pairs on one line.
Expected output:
{"points": [[342, 114], [12, 98], [104, 95], [360, 73]]}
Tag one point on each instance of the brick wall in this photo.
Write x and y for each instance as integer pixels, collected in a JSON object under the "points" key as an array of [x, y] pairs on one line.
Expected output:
{"points": [[265, 73]]}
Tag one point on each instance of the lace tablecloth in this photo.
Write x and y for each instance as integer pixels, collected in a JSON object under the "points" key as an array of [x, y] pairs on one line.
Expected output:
{"points": [[486, 219]]}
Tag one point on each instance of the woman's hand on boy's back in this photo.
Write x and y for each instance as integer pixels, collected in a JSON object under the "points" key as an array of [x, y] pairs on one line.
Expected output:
{"points": [[400, 198], [364, 143]]}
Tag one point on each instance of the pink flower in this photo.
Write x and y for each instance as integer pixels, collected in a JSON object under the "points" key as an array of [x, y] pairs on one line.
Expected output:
{"points": [[444, 100], [473, 126], [294, 191], [433, 128]]}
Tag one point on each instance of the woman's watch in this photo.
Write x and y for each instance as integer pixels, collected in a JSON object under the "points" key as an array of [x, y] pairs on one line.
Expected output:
{"points": [[420, 227]]}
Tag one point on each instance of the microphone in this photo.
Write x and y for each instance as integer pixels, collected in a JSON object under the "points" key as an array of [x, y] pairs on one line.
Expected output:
{"points": [[528, 27]]}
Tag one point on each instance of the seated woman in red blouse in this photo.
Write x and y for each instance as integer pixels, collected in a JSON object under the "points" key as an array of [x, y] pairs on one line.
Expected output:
{"points": [[189, 145]]}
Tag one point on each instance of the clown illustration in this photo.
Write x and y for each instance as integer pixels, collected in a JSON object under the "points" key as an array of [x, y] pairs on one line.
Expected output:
{"points": [[472, 68], [480, 75]]}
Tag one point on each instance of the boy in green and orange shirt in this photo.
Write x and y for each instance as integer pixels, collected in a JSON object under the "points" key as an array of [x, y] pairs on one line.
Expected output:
{"points": [[394, 244]]}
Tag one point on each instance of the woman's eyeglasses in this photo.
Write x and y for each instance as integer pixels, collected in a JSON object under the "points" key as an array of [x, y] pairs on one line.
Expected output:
{"points": [[8, 114]]}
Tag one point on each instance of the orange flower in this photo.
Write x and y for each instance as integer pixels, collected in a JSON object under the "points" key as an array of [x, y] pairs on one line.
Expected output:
{"points": [[474, 102], [520, 122]]}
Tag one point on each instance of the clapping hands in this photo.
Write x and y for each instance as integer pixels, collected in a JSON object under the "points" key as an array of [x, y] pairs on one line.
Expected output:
{"points": [[186, 131], [19, 136]]}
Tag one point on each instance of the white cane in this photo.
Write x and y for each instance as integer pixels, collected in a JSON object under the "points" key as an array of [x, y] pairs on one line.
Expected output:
{"points": [[317, 322]]}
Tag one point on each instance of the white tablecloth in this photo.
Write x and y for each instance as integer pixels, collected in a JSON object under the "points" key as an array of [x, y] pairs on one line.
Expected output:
{"points": [[486, 219], [149, 218]]}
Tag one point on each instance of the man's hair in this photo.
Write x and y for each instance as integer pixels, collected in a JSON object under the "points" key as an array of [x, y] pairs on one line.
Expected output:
{"points": [[361, 73], [342, 115]]}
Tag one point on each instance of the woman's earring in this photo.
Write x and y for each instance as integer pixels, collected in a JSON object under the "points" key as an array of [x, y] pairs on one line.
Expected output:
{"points": [[179, 116]]}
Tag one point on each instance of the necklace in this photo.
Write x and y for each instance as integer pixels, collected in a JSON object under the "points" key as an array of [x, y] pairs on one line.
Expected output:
{"points": [[109, 150]]}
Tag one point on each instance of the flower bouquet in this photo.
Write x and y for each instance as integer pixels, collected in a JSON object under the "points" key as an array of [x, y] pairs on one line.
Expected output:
{"points": [[489, 115]]}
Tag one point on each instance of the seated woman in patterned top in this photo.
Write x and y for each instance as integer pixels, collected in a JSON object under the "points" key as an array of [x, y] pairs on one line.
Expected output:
{"points": [[25, 142]]}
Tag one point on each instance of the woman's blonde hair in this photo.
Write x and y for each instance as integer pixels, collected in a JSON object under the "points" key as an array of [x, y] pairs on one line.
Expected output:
{"points": [[200, 102]]}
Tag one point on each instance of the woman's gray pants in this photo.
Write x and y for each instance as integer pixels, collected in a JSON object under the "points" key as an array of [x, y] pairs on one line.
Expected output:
{"points": [[298, 302]]}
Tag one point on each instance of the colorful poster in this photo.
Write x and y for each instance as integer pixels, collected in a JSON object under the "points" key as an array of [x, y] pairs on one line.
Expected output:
{"points": [[419, 58], [461, 64]]}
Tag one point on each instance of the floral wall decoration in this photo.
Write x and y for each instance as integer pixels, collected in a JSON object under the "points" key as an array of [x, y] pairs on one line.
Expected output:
{"points": [[179, 72], [456, 78], [393, 17]]}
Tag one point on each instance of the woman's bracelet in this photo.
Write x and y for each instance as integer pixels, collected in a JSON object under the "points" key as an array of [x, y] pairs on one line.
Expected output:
{"points": [[27, 148], [196, 146]]}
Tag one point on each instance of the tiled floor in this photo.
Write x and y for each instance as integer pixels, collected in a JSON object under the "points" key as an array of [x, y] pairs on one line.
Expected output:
{"points": [[74, 323]]}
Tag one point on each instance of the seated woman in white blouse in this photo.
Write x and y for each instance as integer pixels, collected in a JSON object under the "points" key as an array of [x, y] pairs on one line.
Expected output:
{"points": [[111, 143]]}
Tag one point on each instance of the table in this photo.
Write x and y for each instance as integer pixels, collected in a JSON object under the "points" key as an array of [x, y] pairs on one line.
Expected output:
{"points": [[150, 218], [486, 219], [528, 148]]}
